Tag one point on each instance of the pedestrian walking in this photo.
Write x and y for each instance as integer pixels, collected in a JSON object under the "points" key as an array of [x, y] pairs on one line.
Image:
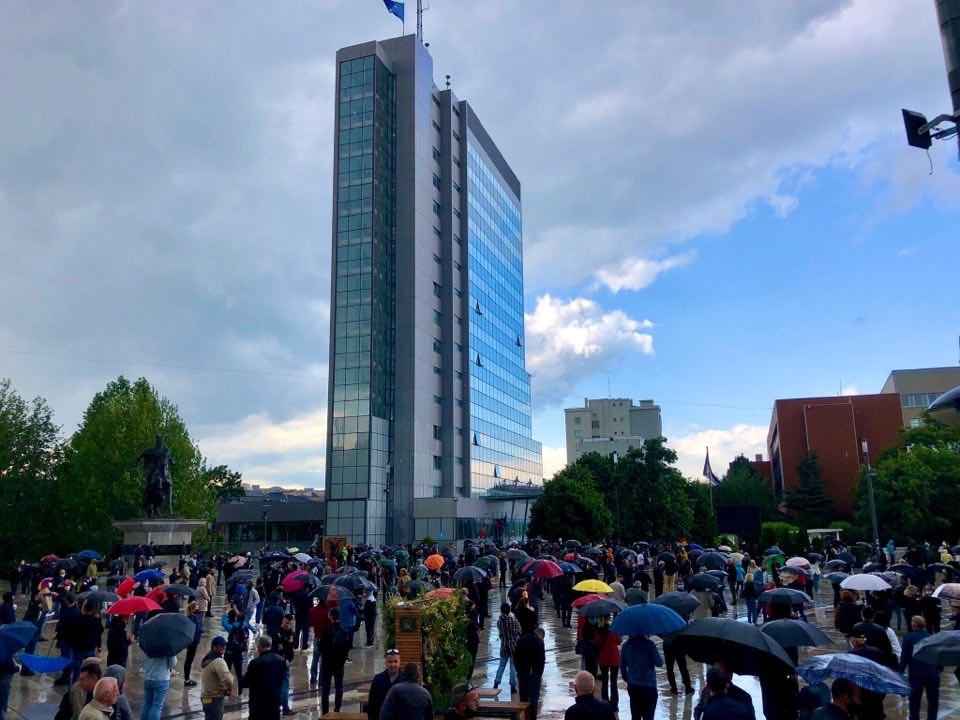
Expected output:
{"points": [[923, 677], [530, 657], [639, 660], [264, 678], [216, 682], [334, 647], [509, 630]]}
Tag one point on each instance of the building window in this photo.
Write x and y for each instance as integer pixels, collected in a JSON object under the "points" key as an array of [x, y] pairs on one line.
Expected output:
{"points": [[436, 432], [459, 461], [456, 239], [457, 266], [436, 125], [436, 181], [437, 288], [437, 371], [459, 432], [436, 231], [436, 155], [437, 317], [436, 101], [437, 462], [456, 161], [456, 187], [437, 400], [437, 346], [576, 433], [436, 259], [594, 424], [436, 208], [458, 347], [456, 213], [459, 403], [576, 420], [915, 422]]}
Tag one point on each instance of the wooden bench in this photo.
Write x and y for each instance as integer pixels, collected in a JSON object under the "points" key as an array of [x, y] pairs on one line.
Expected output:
{"points": [[512, 710], [488, 693]]}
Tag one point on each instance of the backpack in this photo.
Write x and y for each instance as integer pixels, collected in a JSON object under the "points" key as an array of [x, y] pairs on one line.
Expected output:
{"points": [[238, 638]]}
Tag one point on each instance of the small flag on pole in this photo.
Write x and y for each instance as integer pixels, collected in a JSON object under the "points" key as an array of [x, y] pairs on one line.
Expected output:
{"points": [[708, 471], [394, 7]]}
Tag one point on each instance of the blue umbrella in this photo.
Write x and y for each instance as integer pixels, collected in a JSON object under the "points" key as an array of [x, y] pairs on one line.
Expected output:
{"points": [[859, 670], [147, 575], [836, 577], [569, 567], [43, 663], [775, 550], [15, 636], [694, 546], [88, 555], [647, 620]]}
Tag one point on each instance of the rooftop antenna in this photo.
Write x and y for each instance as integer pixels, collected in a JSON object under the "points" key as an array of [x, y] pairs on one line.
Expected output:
{"points": [[448, 82], [420, 20]]}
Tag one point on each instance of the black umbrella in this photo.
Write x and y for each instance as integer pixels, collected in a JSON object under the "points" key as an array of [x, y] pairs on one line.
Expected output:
{"points": [[836, 565], [836, 577], [718, 574], [848, 558], [180, 590], [166, 634], [585, 562], [814, 557], [795, 633], [666, 557], [712, 561], [116, 564], [702, 581], [784, 596], [413, 588], [680, 602], [572, 544], [636, 596], [872, 567], [942, 649], [311, 580], [594, 551], [773, 550], [940, 567], [67, 564], [99, 596], [469, 574], [741, 646], [353, 582], [601, 608]]}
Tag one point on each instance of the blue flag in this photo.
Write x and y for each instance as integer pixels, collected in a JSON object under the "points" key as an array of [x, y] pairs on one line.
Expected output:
{"points": [[708, 471], [395, 7]]}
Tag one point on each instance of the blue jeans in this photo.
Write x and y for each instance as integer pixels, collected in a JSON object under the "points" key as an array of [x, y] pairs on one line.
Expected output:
{"points": [[315, 663], [285, 691], [213, 710], [5, 680], [513, 672], [77, 658], [751, 610], [154, 693], [917, 686]]}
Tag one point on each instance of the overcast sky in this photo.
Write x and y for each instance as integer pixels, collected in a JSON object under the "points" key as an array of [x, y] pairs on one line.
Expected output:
{"points": [[719, 206]]}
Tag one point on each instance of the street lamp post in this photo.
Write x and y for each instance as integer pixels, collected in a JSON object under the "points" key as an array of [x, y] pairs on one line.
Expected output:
{"points": [[873, 505], [616, 488], [266, 508]]}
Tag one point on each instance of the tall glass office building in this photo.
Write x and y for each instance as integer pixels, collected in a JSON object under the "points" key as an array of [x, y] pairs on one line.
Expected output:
{"points": [[429, 399]]}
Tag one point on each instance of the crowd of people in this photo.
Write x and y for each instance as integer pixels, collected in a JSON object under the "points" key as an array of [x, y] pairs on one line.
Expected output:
{"points": [[294, 602]]}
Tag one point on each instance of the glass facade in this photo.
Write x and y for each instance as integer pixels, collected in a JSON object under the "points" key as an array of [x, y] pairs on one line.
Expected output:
{"points": [[502, 446], [364, 290]]}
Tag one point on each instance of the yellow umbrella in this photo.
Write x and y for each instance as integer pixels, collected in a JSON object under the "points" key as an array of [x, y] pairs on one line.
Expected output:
{"points": [[595, 586]]}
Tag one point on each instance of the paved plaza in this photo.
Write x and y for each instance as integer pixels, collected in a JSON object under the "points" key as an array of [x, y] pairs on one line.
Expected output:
{"points": [[36, 698]]}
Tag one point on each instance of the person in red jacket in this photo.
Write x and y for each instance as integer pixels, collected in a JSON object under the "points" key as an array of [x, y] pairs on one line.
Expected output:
{"points": [[608, 656], [319, 619]]}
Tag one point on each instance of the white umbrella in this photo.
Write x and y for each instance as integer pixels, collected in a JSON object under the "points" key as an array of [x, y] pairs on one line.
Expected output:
{"points": [[800, 562], [865, 581], [949, 591], [302, 557], [725, 548]]}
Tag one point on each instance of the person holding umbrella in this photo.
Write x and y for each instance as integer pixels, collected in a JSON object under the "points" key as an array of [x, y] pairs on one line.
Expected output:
{"points": [[196, 616], [608, 657], [639, 660]]}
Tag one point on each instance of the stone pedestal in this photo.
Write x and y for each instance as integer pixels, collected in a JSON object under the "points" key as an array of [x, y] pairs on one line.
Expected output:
{"points": [[169, 534]]}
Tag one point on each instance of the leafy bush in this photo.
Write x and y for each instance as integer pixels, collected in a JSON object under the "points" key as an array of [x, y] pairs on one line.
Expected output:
{"points": [[446, 661], [782, 534]]}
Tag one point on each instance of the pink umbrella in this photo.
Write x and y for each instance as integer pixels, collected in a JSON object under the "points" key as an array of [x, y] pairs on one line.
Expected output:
{"points": [[291, 584], [547, 569], [238, 560], [570, 557], [799, 562]]}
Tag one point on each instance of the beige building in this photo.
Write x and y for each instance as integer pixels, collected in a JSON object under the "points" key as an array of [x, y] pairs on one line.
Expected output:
{"points": [[920, 387], [610, 425]]}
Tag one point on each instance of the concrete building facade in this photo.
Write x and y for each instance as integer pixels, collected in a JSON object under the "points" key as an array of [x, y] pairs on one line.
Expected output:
{"points": [[833, 428], [429, 398], [610, 425], [918, 388]]}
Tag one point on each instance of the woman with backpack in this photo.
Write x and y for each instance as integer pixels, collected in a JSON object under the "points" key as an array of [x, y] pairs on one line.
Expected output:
{"points": [[238, 639]]}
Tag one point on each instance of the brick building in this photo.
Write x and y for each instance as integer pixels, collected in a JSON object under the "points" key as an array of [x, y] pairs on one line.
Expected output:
{"points": [[833, 428]]}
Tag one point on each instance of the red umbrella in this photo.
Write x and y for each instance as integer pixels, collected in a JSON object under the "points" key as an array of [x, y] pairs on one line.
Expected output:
{"points": [[580, 602], [49, 559], [291, 583], [547, 569], [527, 564], [435, 562], [132, 606], [157, 594], [126, 587], [570, 557]]}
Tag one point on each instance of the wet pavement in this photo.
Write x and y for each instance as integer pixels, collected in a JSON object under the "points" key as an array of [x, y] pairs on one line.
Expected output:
{"points": [[36, 698]]}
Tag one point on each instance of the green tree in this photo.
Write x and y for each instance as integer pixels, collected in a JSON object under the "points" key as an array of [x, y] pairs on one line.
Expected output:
{"points": [[704, 528], [916, 485], [571, 507], [102, 481], [810, 502], [743, 485], [30, 457], [654, 501]]}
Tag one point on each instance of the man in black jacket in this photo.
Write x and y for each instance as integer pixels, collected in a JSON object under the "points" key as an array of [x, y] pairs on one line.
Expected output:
{"points": [[263, 678], [381, 684], [69, 614], [334, 646], [587, 707], [529, 658], [283, 645]]}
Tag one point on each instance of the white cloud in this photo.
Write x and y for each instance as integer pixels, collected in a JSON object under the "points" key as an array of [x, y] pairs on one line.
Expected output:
{"points": [[638, 273], [849, 390], [724, 445], [782, 205], [554, 460], [569, 340], [259, 435]]}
